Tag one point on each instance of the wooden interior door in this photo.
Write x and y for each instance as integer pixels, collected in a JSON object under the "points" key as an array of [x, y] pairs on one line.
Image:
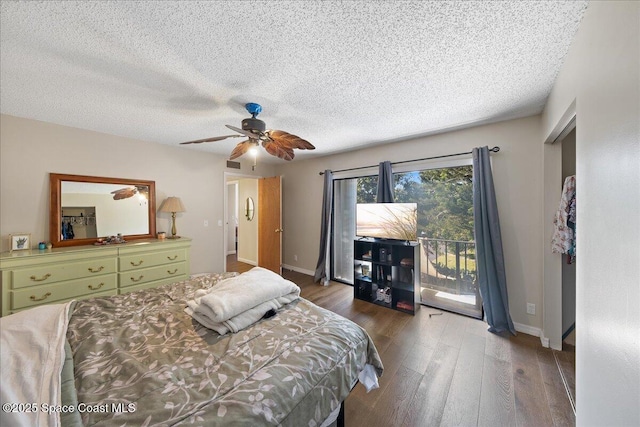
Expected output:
{"points": [[270, 223]]}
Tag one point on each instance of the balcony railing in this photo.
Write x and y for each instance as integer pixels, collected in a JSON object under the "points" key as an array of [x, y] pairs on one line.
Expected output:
{"points": [[448, 265]]}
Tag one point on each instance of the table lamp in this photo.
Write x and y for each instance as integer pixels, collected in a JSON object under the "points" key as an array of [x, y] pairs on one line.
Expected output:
{"points": [[173, 205]]}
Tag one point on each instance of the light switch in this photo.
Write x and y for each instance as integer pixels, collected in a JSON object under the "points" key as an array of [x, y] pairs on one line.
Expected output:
{"points": [[219, 223]]}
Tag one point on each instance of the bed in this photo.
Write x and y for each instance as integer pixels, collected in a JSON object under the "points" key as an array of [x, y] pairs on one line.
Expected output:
{"points": [[139, 359]]}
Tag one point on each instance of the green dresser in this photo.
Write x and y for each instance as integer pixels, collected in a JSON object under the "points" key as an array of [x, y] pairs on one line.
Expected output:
{"points": [[31, 278]]}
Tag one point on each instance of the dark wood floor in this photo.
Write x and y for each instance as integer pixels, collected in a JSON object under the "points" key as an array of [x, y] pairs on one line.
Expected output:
{"points": [[234, 265], [566, 360], [446, 369]]}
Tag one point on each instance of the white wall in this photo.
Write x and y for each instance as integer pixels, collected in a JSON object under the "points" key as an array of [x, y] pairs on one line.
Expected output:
{"points": [[232, 219], [30, 150], [601, 74], [517, 172], [248, 230]]}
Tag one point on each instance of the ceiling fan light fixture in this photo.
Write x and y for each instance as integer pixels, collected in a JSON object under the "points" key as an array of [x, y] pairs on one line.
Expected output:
{"points": [[276, 142]]}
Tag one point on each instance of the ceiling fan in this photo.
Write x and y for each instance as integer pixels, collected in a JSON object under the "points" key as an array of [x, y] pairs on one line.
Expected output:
{"points": [[126, 192], [277, 142]]}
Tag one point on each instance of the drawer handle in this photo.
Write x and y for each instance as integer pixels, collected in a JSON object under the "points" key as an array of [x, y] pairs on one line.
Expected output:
{"points": [[137, 280], [43, 278], [138, 264], [96, 270], [44, 297], [95, 288], [171, 258], [172, 272]]}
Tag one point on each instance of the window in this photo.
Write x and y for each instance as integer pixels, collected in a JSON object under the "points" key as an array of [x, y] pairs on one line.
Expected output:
{"points": [[445, 231]]}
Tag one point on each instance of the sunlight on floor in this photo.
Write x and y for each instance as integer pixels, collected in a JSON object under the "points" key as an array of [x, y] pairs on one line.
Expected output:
{"points": [[466, 299]]}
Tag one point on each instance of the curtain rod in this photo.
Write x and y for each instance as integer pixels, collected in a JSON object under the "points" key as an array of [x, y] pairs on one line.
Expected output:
{"points": [[494, 150]]}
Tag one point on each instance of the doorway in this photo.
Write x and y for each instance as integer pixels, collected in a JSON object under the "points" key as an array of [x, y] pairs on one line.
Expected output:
{"points": [[252, 223], [241, 233], [559, 289], [566, 359]]}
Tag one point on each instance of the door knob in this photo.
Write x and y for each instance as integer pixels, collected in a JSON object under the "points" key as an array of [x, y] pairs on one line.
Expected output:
{"points": [[279, 230]]}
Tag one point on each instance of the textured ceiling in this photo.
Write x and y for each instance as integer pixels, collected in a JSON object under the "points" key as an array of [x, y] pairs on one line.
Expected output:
{"points": [[341, 74]]}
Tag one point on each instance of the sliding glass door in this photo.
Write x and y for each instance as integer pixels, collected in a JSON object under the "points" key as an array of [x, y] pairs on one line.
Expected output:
{"points": [[445, 232], [346, 193], [344, 229]]}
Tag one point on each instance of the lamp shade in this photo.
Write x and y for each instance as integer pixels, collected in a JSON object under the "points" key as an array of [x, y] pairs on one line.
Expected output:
{"points": [[172, 204]]}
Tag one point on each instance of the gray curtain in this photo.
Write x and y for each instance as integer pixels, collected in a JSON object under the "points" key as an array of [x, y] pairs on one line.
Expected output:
{"points": [[385, 183], [492, 279], [322, 267]]}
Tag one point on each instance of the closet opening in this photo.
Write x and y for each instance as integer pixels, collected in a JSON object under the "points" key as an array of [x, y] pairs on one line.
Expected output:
{"points": [[565, 359]]}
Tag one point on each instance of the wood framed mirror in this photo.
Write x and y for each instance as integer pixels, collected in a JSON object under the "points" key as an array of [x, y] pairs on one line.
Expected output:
{"points": [[84, 209]]}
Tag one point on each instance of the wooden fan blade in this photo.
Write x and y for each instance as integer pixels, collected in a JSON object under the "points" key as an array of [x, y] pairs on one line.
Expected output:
{"points": [[215, 138], [274, 149], [288, 140], [241, 149], [244, 132], [124, 193]]}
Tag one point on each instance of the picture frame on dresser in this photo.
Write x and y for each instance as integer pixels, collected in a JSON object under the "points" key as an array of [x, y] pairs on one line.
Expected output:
{"points": [[20, 241]]}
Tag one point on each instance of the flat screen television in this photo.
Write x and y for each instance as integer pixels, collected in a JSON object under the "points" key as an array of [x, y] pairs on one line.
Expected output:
{"points": [[398, 221]]}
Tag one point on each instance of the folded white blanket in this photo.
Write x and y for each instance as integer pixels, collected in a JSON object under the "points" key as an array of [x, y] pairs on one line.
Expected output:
{"points": [[235, 303], [32, 354], [244, 319]]}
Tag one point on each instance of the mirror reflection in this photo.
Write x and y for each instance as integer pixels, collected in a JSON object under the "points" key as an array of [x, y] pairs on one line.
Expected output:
{"points": [[92, 210], [87, 209]]}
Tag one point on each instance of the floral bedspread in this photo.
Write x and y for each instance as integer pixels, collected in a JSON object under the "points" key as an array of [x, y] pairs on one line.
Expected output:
{"points": [[141, 360]]}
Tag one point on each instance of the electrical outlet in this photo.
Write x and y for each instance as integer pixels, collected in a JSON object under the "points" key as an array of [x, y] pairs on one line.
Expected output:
{"points": [[295, 257], [531, 308], [206, 223]]}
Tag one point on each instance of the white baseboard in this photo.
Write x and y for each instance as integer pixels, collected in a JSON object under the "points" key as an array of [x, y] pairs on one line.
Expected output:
{"points": [[544, 341], [547, 343], [299, 270], [529, 330], [536, 332], [231, 252], [248, 261]]}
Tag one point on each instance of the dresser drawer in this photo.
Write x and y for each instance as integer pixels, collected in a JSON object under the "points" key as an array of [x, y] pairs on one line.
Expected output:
{"points": [[146, 260], [44, 294], [42, 275], [154, 284], [143, 275]]}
